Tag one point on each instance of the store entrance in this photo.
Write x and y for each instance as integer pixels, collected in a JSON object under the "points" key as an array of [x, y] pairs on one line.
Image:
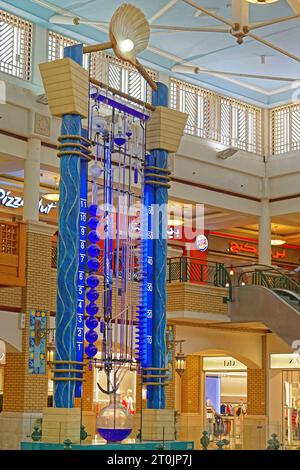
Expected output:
{"points": [[291, 407], [225, 405]]}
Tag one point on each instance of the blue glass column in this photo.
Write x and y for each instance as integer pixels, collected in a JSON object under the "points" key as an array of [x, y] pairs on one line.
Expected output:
{"points": [[68, 255], [159, 159]]}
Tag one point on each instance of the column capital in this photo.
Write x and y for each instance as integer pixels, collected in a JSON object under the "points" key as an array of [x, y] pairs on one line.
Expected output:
{"points": [[40, 228]]}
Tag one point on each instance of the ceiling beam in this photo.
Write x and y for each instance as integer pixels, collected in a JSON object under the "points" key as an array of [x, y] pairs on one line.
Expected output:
{"points": [[163, 10]]}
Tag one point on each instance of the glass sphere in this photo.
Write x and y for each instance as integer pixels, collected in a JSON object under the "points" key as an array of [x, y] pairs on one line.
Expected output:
{"points": [[114, 422], [93, 236], [95, 170], [92, 295], [93, 264], [93, 281], [92, 309], [91, 323], [91, 336], [93, 223], [91, 350], [94, 251], [93, 210]]}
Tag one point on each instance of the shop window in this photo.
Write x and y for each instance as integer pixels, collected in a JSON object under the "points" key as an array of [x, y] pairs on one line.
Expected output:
{"points": [[15, 45]]}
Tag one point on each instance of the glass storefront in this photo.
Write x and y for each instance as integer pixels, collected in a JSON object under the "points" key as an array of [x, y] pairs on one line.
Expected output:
{"points": [[225, 399], [291, 407]]}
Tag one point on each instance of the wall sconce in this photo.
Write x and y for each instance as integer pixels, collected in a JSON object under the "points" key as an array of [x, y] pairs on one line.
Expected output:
{"points": [[180, 359], [50, 354]]}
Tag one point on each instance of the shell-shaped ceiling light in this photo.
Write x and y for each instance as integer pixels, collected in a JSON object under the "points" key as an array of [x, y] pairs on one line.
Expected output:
{"points": [[129, 32], [262, 2]]}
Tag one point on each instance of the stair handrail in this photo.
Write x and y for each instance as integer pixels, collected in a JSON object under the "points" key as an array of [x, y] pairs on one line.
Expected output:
{"points": [[268, 268]]}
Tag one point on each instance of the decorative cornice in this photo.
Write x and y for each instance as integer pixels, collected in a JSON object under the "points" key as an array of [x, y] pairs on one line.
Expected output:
{"points": [[40, 228]]}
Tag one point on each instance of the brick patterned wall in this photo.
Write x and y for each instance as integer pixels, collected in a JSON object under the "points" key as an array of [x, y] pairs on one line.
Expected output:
{"points": [[23, 391], [256, 386], [190, 386], [11, 297], [53, 290], [196, 298]]}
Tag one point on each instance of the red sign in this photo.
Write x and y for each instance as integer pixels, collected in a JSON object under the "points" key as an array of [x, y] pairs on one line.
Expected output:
{"points": [[236, 248]]}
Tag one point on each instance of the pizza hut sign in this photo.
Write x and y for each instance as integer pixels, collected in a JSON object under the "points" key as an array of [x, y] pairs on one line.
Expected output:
{"points": [[7, 199]]}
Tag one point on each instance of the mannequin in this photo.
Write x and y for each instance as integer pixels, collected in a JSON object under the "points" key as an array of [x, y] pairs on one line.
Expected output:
{"points": [[128, 401], [210, 418], [241, 409]]}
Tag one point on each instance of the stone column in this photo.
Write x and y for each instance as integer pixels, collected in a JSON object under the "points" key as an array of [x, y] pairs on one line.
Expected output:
{"points": [[256, 386], [264, 243], [32, 180], [25, 394]]}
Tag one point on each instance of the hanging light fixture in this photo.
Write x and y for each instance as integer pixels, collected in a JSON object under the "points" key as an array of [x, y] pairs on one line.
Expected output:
{"points": [[276, 241], [262, 2], [175, 222], [180, 359], [53, 197]]}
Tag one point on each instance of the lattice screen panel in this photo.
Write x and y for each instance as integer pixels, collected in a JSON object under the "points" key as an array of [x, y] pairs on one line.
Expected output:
{"points": [[121, 75], [285, 128], [15, 45], [57, 43], [215, 117], [9, 238]]}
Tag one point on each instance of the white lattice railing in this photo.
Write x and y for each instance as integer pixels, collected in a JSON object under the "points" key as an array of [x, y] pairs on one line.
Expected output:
{"points": [[219, 118], [15, 45], [285, 128]]}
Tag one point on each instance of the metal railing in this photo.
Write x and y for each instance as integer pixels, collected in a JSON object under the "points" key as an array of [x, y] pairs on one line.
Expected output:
{"points": [[195, 271], [184, 269], [270, 277]]}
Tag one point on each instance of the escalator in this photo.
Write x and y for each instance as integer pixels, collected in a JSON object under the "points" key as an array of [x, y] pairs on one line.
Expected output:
{"points": [[269, 297]]}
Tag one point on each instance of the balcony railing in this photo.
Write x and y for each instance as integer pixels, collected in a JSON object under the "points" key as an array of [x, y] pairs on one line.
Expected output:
{"points": [[195, 271], [12, 254]]}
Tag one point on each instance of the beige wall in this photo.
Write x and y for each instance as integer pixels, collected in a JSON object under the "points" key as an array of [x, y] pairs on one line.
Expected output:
{"points": [[246, 347]]}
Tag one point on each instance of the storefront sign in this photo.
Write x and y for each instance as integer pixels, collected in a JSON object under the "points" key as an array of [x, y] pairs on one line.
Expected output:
{"points": [[222, 364], [285, 361], [201, 242], [237, 248], [11, 201]]}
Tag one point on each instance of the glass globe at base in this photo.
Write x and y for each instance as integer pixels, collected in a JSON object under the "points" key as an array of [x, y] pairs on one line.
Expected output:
{"points": [[114, 423], [114, 435]]}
